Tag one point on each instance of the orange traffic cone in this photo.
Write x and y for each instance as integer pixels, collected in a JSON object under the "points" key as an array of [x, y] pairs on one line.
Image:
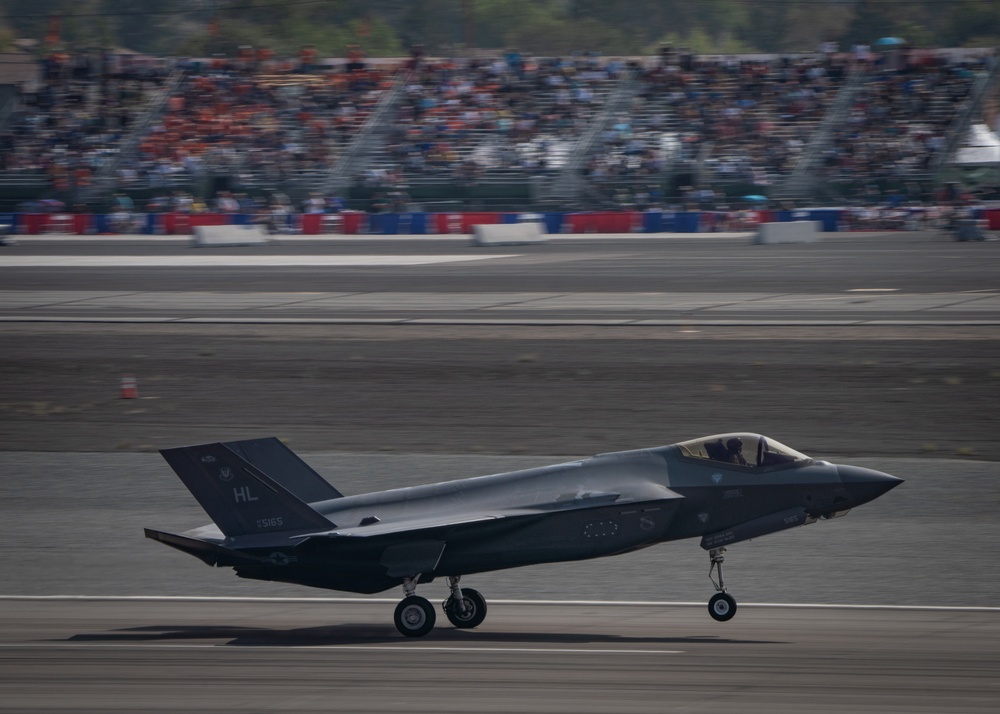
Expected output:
{"points": [[130, 388]]}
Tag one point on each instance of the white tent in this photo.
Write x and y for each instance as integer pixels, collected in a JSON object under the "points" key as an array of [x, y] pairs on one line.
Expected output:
{"points": [[983, 147]]}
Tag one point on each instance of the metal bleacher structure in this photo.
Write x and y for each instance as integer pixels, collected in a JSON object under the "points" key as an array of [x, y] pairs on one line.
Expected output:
{"points": [[803, 181], [106, 178], [985, 88], [598, 139]]}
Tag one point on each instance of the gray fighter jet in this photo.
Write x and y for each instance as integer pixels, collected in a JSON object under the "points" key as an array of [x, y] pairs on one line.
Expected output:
{"points": [[277, 519]]}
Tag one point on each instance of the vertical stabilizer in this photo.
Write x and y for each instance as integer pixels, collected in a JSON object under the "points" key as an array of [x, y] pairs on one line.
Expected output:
{"points": [[284, 466], [238, 496]]}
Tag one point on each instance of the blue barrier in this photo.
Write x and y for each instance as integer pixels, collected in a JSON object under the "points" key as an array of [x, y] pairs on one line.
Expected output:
{"points": [[418, 224], [687, 221], [553, 222], [829, 218]]}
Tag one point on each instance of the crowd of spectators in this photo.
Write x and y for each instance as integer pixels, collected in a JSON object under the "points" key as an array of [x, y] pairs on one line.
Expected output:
{"points": [[462, 119], [898, 121], [266, 117], [230, 117], [745, 119], [73, 120], [750, 120], [727, 119]]}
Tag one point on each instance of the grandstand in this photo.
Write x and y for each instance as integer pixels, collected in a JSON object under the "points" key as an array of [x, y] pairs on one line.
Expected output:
{"points": [[494, 132]]}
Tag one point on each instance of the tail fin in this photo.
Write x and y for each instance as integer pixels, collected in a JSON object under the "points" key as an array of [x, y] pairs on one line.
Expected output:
{"points": [[274, 458], [238, 496]]}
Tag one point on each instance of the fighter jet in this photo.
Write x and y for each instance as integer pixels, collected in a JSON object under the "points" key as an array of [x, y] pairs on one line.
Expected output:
{"points": [[276, 519]]}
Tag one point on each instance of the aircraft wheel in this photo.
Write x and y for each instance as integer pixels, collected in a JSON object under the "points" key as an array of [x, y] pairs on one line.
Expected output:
{"points": [[414, 616], [475, 609], [722, 607]]}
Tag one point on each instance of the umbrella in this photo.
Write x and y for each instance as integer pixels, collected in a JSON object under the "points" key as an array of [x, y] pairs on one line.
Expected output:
{"points": [[890, 42]]}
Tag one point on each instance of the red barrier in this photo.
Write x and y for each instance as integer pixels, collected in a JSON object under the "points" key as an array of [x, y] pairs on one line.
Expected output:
{"points": [[61, 223], [447, 223], [34, 223], [992, 216], [353, 221], [83, 223], [311, 224], [182, 223], [479, 219], [604, 222], [454, 223]]}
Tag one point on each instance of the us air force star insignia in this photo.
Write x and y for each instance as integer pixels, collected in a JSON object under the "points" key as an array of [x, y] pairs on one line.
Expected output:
{"points": [[717, 478], [226, 473], [208, 459]]}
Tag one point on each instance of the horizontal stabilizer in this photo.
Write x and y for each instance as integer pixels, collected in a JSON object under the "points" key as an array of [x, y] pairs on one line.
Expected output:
{"points": [[209, 552], [238, 496], [284, 466]]}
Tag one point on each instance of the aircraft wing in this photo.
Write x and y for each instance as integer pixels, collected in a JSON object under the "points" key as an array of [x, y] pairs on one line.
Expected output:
{"points": [[642, 492], [415, 525]]}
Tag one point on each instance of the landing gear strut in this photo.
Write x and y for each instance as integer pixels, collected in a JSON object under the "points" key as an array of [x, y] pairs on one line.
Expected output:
{"points": [[465, 608], [722, 606], [414, 616]]}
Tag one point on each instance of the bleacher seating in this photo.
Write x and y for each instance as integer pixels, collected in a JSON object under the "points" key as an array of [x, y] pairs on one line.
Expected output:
{"points": [[725, 120]]}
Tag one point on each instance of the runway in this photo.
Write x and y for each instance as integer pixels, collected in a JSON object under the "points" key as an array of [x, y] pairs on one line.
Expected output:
{"points": [[384, 366], [616, 280], [121, 656]]}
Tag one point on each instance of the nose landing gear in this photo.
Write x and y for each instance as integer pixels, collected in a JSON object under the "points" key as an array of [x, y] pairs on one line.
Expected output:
{"points": [[722, 605], [465, 608]]}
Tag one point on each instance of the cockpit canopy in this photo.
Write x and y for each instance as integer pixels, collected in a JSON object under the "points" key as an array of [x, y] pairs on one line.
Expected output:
{"points": [[749, 450]]}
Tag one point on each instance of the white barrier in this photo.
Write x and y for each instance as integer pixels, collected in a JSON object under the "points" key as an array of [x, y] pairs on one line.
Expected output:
{"points": [[788, 232], [509, 234], [209, 236]]}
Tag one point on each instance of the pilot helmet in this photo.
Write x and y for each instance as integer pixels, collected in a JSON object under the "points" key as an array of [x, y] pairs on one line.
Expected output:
{"points": [[734, 444]]}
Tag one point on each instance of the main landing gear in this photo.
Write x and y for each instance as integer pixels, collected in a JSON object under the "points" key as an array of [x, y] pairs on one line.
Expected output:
{"points": [[722, 605], [465, 608]]}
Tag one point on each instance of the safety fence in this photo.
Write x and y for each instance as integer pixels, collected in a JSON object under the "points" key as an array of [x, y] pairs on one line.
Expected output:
{"points": [[360, 223]]}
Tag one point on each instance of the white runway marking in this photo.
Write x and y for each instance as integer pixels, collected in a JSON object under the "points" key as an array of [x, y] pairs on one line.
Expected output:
{"points": [[235, 261]]}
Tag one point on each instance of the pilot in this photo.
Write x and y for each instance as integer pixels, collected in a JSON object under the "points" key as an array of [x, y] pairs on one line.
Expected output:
{"points": [[734, 451]]}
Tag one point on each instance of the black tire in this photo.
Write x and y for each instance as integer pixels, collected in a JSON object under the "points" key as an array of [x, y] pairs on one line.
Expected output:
{"points": [[475, 609], [415, 616], [722, 607]]}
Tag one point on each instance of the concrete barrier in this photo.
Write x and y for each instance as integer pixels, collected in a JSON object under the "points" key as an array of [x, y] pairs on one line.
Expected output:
{"points": [[212, 236], [788, 232], [509, 234]]}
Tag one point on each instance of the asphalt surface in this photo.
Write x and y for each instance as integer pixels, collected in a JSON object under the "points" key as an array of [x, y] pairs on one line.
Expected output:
{"points": [[878, 350], [858, 345], [259, 657]]}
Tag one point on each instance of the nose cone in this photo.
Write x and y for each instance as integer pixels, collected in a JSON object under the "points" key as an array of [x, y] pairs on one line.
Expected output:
{"points": [[864, 485]]}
